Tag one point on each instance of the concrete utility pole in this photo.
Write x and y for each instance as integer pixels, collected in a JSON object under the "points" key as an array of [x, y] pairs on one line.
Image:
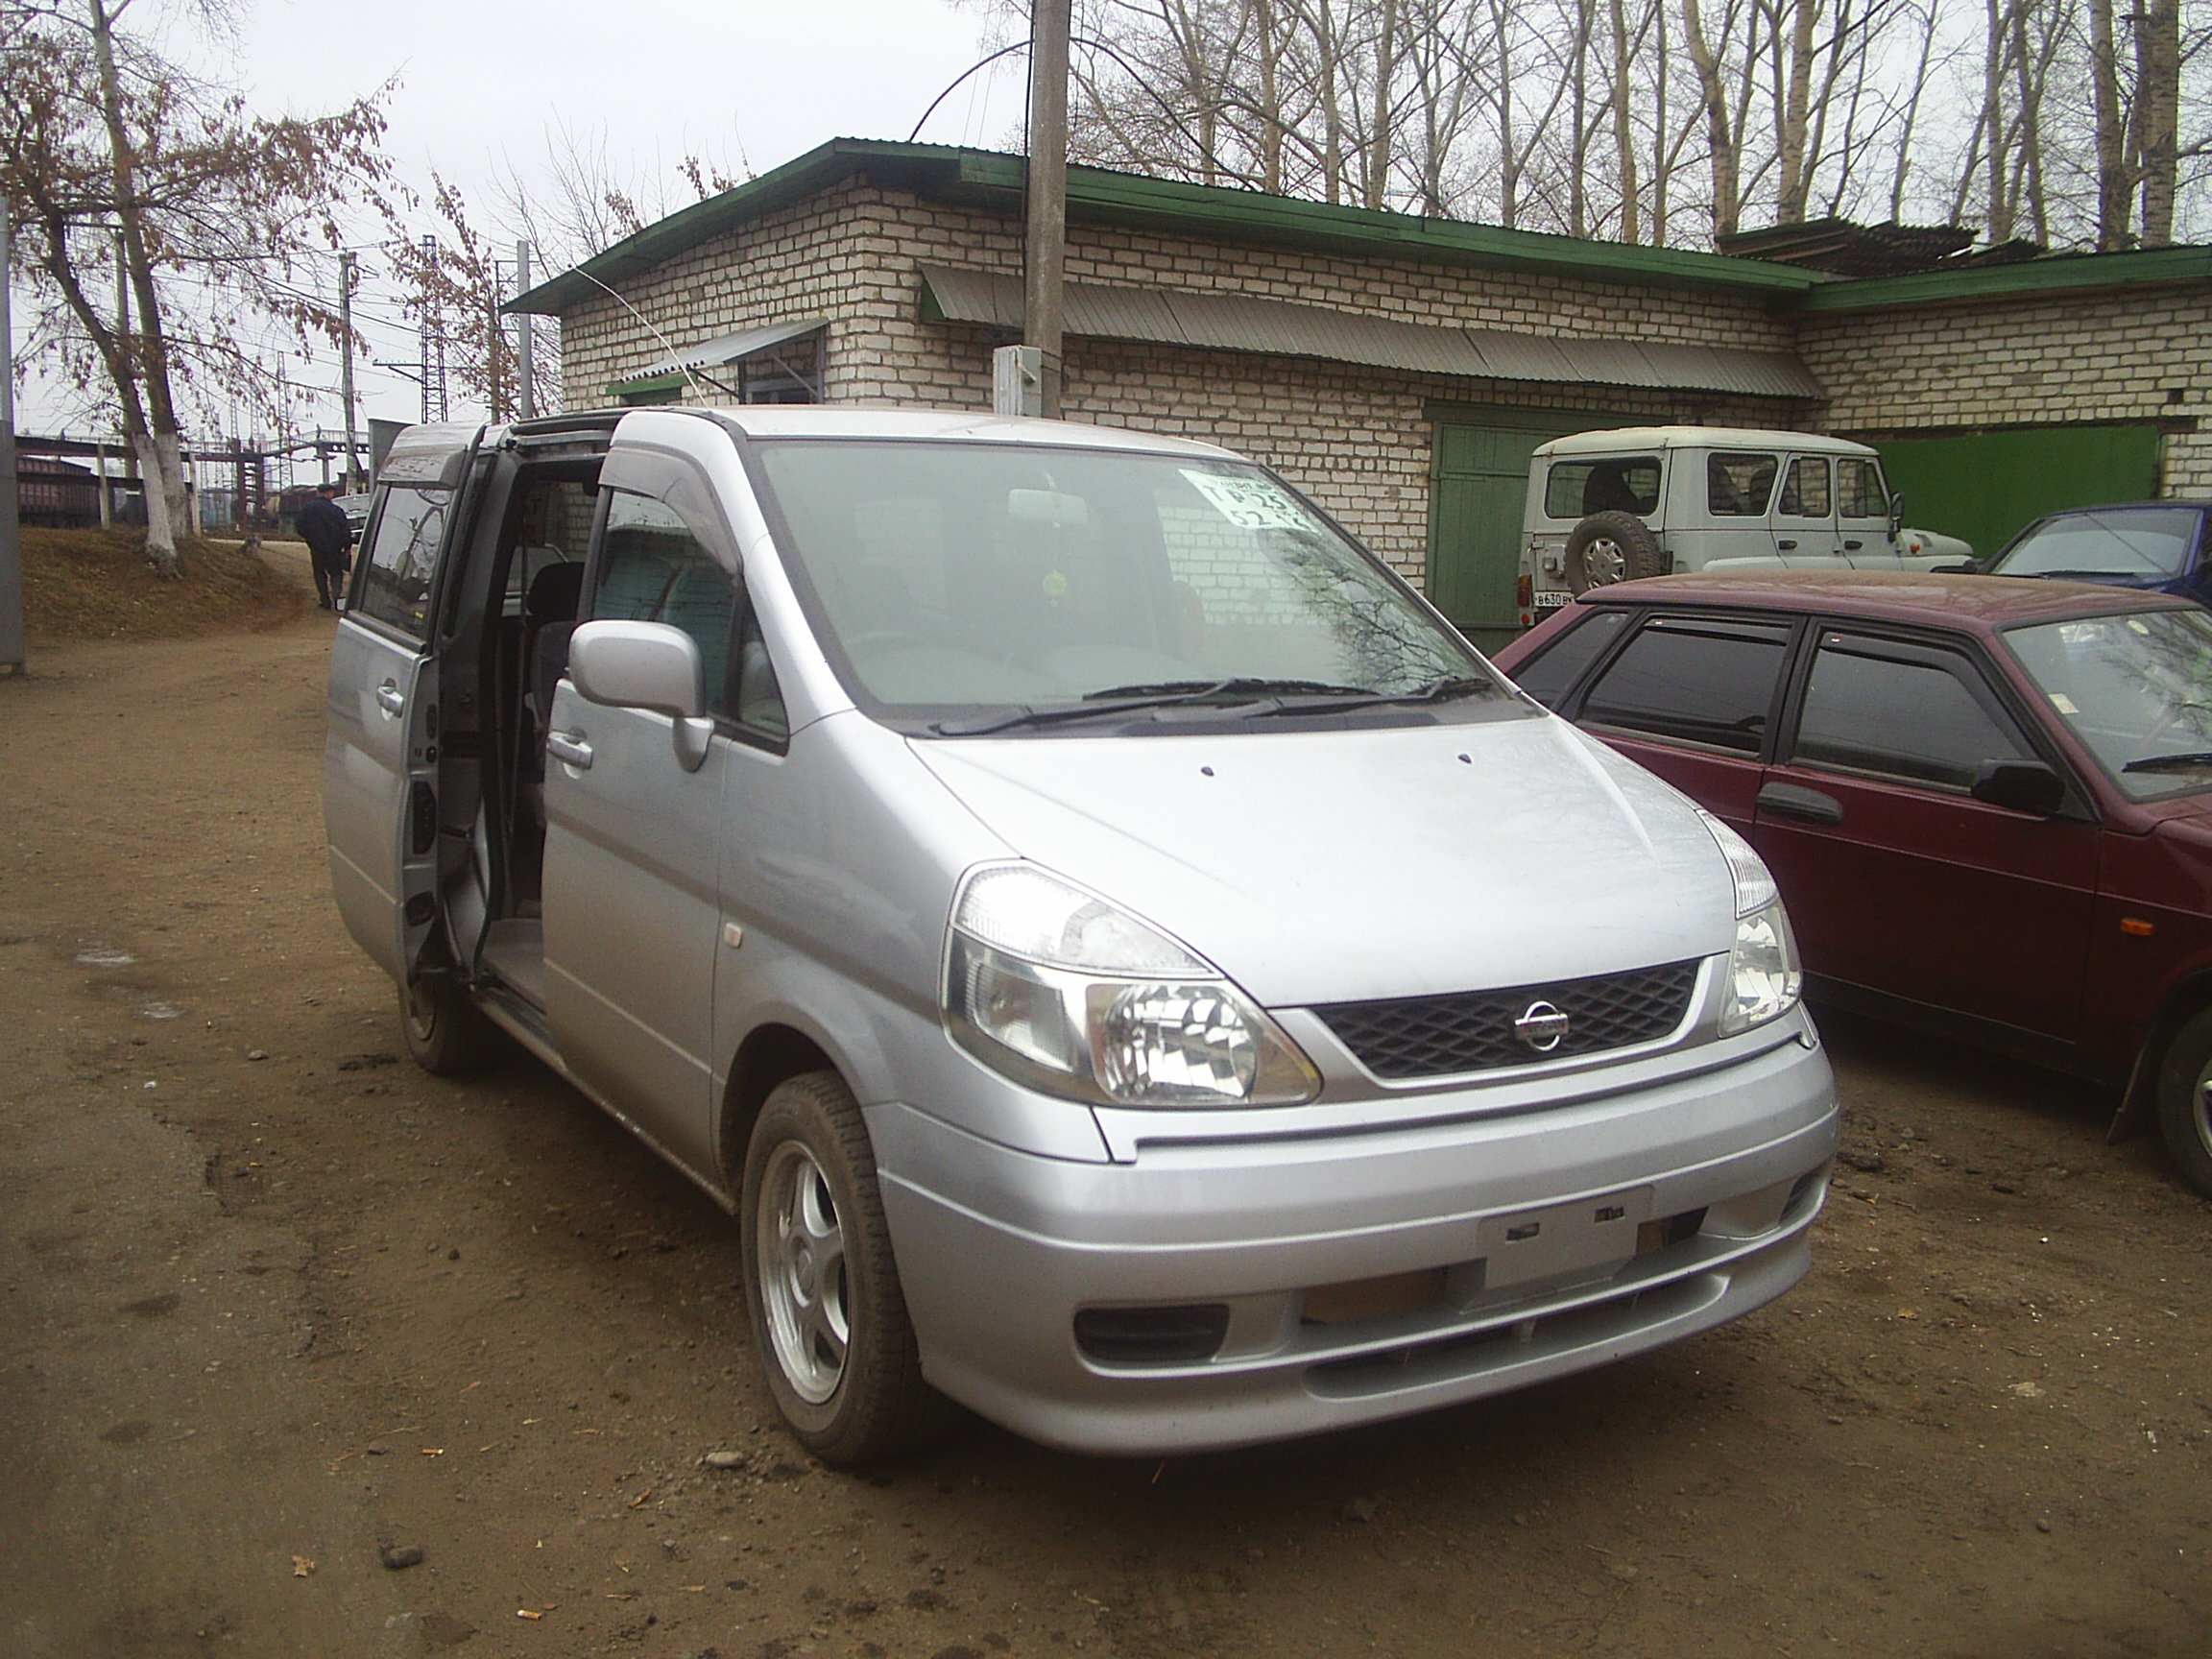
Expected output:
{"points": [[1045, 239], [494, 343], [526, 391], [10, 538], [346, 373]]}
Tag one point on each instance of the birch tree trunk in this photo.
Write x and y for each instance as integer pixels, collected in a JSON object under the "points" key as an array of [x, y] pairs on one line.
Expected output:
{"points": [[157, 442], [1720, 139], [2113, 183], [1793, 164], [1623, 129], [2158, 112]]}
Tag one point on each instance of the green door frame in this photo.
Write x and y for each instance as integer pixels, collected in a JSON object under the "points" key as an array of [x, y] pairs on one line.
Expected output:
{"points": [[1988, 483], [1494, 620]]}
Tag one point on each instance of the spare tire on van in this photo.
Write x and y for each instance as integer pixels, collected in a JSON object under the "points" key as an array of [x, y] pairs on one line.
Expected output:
{"points": [[1609, 547]]}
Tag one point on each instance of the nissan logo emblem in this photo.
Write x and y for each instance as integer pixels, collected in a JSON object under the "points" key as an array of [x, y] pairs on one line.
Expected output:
{"points": [[1541, 1027]]}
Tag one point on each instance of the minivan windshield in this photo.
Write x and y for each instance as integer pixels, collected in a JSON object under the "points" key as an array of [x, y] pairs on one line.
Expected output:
{"points": [[2135, 687], [973, 587], [2126, 542]]}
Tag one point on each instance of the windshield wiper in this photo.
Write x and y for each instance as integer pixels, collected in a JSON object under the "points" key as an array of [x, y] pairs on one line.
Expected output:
{"points": [[2188, 761], [1242, 687], [1056, 714], [1253, 696], [1444, 690]]}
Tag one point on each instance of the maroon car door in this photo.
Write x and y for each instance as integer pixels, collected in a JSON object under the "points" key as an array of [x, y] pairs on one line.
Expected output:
{"points": [[1896, 878], [1692, 698]]}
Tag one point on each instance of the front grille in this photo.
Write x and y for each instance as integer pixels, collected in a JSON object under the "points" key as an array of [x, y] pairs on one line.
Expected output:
{"points": [[1473, 1030]]}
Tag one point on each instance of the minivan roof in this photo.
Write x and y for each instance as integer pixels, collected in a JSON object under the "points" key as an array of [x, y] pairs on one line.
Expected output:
{"points": [[1621, 438], [829, 420]]}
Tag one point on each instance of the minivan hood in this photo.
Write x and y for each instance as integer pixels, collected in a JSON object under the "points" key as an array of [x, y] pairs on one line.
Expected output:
{"points": [[1341, 866]]}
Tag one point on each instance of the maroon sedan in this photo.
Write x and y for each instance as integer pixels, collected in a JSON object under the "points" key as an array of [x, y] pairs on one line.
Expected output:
{"points": [[1988, 801]]}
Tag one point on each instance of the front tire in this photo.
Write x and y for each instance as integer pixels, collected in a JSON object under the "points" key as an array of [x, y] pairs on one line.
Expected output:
{"points": [[829, 1316], [1609, 547], [2185, 1100]]}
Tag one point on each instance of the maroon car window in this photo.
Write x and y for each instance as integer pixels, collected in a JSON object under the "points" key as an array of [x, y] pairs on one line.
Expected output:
{"points": [[1912, 713], [1693, 679], [1549, 674]]}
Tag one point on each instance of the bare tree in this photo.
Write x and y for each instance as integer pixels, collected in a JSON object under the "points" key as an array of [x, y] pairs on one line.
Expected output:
{"points": [[106, 143], [1663, 120]]}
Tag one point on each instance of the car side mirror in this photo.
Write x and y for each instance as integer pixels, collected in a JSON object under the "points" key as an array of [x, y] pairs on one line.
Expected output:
{"points": [[1896, 514], [2020, 785], [648, 666]]}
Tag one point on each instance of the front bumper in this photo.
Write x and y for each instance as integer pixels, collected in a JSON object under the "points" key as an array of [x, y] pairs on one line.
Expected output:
{"points": [[1540, 1232]]}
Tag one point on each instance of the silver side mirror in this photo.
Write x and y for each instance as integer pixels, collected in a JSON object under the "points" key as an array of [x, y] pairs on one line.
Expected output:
{"points": [[648, 666]]}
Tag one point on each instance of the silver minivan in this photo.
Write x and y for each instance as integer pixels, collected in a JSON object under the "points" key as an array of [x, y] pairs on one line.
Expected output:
{"points": [[1131, 968]]}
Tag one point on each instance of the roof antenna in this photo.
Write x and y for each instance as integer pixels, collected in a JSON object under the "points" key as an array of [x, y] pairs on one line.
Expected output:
{"points": [[694, 376]]}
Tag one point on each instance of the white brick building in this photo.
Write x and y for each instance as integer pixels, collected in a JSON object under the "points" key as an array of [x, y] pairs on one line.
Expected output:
{"points": [[1400, 368]]}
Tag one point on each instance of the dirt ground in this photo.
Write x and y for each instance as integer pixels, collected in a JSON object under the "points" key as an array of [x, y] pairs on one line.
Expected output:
{"points": [[273, 1303]]}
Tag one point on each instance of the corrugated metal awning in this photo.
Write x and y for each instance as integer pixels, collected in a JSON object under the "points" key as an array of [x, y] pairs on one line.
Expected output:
{"points": [[1237, 322], [729, 348]]}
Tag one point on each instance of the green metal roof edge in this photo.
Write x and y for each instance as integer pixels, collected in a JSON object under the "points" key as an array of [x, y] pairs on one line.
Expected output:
{"points": [[780, 186], [2052, 274], [1129, 198], [1211, 208], [647, 383]]}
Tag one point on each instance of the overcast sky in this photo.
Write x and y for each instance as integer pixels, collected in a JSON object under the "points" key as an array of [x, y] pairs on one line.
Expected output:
{"points": [[743, 84]]}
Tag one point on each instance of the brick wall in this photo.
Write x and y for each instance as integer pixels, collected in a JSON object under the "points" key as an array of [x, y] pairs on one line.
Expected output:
{"points": [[1353, 438], [1947, 368]]}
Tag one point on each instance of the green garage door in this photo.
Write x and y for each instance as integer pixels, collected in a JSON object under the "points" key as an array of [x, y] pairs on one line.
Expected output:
{"points": [[1477, 477], [1986, 485]]}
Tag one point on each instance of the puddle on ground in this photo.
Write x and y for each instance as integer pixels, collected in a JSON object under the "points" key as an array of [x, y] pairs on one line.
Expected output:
{"points": [[160, 1011], [103, 956]]}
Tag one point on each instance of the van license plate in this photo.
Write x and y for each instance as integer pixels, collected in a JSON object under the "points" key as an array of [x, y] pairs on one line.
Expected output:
{"points": [[1552, 598]]}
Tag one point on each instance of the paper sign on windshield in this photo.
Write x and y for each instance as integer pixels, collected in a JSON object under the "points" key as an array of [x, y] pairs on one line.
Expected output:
{"points": [[1250, 503]]}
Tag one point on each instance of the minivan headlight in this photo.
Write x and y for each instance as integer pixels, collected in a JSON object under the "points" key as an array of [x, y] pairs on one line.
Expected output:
{"points": [[1061, 991], [1765, 979]]}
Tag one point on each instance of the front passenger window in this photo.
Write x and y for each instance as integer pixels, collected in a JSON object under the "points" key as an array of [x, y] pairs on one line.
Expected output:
{"points": [[652, 568]]}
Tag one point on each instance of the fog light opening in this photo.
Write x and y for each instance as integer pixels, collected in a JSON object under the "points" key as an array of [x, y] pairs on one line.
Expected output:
{"points": [[1179, 1336]]}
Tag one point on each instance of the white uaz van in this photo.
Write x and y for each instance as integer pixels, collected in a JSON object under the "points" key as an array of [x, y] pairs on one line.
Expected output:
{"points": [[1635, 502], [1098, 928]]}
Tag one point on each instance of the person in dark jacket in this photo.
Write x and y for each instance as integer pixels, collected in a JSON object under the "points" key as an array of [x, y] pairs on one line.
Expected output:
{"points": [[329, 538]]}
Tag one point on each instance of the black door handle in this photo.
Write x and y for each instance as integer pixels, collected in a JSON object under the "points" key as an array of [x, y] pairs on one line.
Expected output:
{"points": [[1787, 546], [1794, 800], [1852, 546]]}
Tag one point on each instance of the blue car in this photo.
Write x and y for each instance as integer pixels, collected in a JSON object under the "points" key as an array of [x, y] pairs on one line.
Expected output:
{"points": [[2155, 546]]}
